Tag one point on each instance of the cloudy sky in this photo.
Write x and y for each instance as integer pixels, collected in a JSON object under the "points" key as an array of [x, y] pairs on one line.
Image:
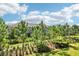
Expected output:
{"points": [[52, 13]]}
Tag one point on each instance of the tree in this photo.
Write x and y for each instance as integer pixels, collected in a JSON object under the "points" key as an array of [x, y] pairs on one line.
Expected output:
{"points": [[40, 32], [3, 33], [19, 32]]}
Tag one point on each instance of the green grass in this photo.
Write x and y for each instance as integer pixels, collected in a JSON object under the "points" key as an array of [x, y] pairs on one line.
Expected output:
{"points": [[74, 50], [75, 36]]}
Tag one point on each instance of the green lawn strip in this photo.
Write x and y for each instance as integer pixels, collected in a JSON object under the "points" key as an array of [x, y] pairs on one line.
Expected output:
{"points": [[75, 36], [74, 49], [73, 52]]}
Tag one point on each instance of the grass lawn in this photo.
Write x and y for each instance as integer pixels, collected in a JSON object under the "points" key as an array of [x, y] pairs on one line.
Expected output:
{"points": [[74, 50]]}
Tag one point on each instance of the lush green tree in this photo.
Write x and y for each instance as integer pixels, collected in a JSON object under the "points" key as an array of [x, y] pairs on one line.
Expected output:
{"points": [[19, 32], [3, 34], [40, 32]]}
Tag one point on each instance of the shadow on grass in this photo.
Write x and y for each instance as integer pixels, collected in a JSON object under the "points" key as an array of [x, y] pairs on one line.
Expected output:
{"points": [[76, 48]]}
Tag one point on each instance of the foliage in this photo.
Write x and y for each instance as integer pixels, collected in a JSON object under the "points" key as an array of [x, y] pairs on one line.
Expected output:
{"points": [[19, 32], [43, 37], [3, 34], [42, 47]]}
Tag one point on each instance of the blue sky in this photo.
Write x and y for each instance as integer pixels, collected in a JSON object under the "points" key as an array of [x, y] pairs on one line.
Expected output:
{"points": [[39, 7], [54, 11]]}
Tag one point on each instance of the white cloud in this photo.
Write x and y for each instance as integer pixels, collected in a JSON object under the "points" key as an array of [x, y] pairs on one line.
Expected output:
{"points": [[78, 24], [36, 17], [45, 13], [23, 8], [62, 16], [70, 12], [33, 13], [67, 13], [47, 16], [11, 22], [11, 8]]}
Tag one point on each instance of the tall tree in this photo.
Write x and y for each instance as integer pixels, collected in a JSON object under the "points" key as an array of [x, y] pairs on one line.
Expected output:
{"points": [[3, 33], [19, 32], [40, 32]]}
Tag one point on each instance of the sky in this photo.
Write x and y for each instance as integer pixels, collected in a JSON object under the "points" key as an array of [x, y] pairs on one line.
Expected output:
{"points": [[49, 13]]}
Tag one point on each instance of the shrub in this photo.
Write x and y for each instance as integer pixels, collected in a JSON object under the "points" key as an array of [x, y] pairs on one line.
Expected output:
{"points": [[43, 48]]}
